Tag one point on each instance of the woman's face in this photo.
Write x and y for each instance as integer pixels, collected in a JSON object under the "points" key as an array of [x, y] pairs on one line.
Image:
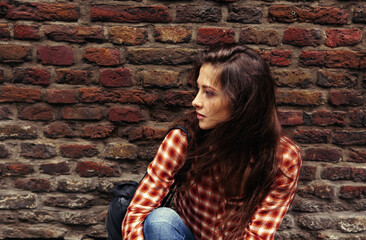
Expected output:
{"points": [[211, 104]]}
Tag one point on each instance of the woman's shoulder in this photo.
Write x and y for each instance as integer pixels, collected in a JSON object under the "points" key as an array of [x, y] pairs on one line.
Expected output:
{"points": [[289, 156]]}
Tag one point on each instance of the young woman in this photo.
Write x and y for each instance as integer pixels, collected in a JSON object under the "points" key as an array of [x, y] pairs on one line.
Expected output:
{"points": [[240, 171]]}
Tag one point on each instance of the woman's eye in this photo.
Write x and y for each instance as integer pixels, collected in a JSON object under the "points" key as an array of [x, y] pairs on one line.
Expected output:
{"points": [[210, 93]]}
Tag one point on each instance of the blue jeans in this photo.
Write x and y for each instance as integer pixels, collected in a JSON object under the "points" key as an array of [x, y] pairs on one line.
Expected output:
{"points": [[165, 224]]}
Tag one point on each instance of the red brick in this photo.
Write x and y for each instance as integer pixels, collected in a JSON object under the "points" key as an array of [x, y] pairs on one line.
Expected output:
{"points": [[59, 130], [336, 79], [102, 56], [128, 35], [82, 113], [72, 76], [43, 11], [5, 113], [328, 118], [17, 169], [212, 36], [244, 14], [302, 37], [352, 192], [119, 77], [357, 118], [90, 169], [299, 98], [346, 138], [129, 14], [165, 56], [323, 154], [343, 37], [312, 58], [60, 96], [4, 32], [97, 131], [91, 95], [290, 118], [26, 32], [39, 151], [34, 76], [312, 136], [307, 173], [179, 98], [292, 78], [144, 133], [336, 173], [17, 94], [357, 155], [78, 151], [277, 57], [333, 59], [37, 113], [172, 34], [14, 53], [198, 14], [254, 36], [345, 98], [34, 185], [61, 168], [77, 34], [131, 115], [55, 55]]}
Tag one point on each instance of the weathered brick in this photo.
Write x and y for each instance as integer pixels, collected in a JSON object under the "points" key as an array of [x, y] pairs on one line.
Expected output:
{"points": [[18, 94], [312, 58], [144, 133], [343, 37], [78, 218], [129, 14], [43, 12], [159, 78], [15, 53], [281, 58], [212, 36], [78, 151], [91, 169], [34, 185], [357, 155], [5, 113], [352, 192], [358, 174], [97, 131], [359, 15], [324, 191], [336, 79], [8, 217], [328, 118], [299, 98], [82, 113], [70, 201], [290, 118], [42, 151], [314, 222], [55, 55], [172, 34], [62, 96], [346, 138], [17, 169], [76, 34], [37, 113], [102, 95], [323, 154], [179, 98], [307, 206], [312, 136], [336, 173], [345, 98], [357, 118], [349, 224], [244, 14], [61, 168], [34, 76], [4, 32], [2, 77], [23, 231], [73, 76], [38, 216], [4, 152], [292, 78], [128, 35], [120, 151], [26, 32], [302, 37], [281, 13], [18, 201], [169, 56], [59, 130], [131, 115], [102, 56], [197, 14], [119, 77], [255, 36], [17, 132], [74, 185]]}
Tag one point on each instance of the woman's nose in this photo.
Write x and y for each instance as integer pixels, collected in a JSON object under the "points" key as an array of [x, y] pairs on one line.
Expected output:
{"points": [[196, 103]]}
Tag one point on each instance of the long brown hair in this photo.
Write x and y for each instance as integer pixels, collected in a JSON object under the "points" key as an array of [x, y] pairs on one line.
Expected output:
{"points": [[248, 139]]}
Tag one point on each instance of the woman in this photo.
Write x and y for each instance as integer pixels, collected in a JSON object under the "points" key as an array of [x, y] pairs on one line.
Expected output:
{"points": [[240, 171]]}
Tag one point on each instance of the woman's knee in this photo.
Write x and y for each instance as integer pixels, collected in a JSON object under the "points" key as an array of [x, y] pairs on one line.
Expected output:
{"points": [[162, 215]]}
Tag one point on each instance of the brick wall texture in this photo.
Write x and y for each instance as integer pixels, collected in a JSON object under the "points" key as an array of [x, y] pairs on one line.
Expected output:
{"points": [[88, 89]]}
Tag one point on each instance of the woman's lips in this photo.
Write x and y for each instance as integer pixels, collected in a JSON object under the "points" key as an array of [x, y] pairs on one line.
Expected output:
{"points": [[200, 116]]}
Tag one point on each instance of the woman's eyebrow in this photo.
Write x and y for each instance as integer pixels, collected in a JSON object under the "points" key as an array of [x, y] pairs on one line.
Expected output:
{"points": [[207, 87]]}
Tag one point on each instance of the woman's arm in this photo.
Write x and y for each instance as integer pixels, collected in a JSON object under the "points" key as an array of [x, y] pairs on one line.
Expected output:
{"points": [[155, 186], [270, 213]]}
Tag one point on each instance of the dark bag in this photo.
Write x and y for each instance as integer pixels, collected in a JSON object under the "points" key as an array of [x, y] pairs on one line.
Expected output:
{"points": [[122, 196]]}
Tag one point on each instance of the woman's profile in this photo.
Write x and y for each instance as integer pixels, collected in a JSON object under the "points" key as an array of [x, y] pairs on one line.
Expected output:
{"points": [[237, 172]]}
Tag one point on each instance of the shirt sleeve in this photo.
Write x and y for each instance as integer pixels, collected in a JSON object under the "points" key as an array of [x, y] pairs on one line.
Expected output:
{"points": [[268, 216], [155, 186]]}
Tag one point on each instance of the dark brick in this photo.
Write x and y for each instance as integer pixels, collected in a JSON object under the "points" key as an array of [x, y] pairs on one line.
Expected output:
{"points": [[120, 77], [254, 36], [78, 151], [302, 37], [168, 56], [17, 94], [336, 79], [90, 169], [34, 76], [37, 113], [307, 173], [290, 118], [345, 98], [292, 78], [5, 113], [326, 118], [357, 155], [357, 118], [72, 76], [347, 138], [102, 56], [97, 131], [62, 168], [212, 36], [198, 14], [359, 15], [312, 136], [42, 151], [179, 98], [59, 130], [34, 185], [4, 152], [4, 32], [244, 14], [17, 169], [358, 174], [62, 96], [26, 32], [352, 192], [17, 132], [76, 34], [131, 115], [15, 53], [324, 191], [336, 173], [129, 36], [323, 154], [55, 55], [82, 113], [314, 222], [144, 133], [281, 58]]}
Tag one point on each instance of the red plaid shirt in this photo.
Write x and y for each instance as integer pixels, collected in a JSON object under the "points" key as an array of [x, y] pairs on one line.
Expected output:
{"points": [[202, 207]]}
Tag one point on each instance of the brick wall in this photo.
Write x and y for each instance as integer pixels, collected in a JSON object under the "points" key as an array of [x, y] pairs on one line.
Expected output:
{"points": [[88, 88]]}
